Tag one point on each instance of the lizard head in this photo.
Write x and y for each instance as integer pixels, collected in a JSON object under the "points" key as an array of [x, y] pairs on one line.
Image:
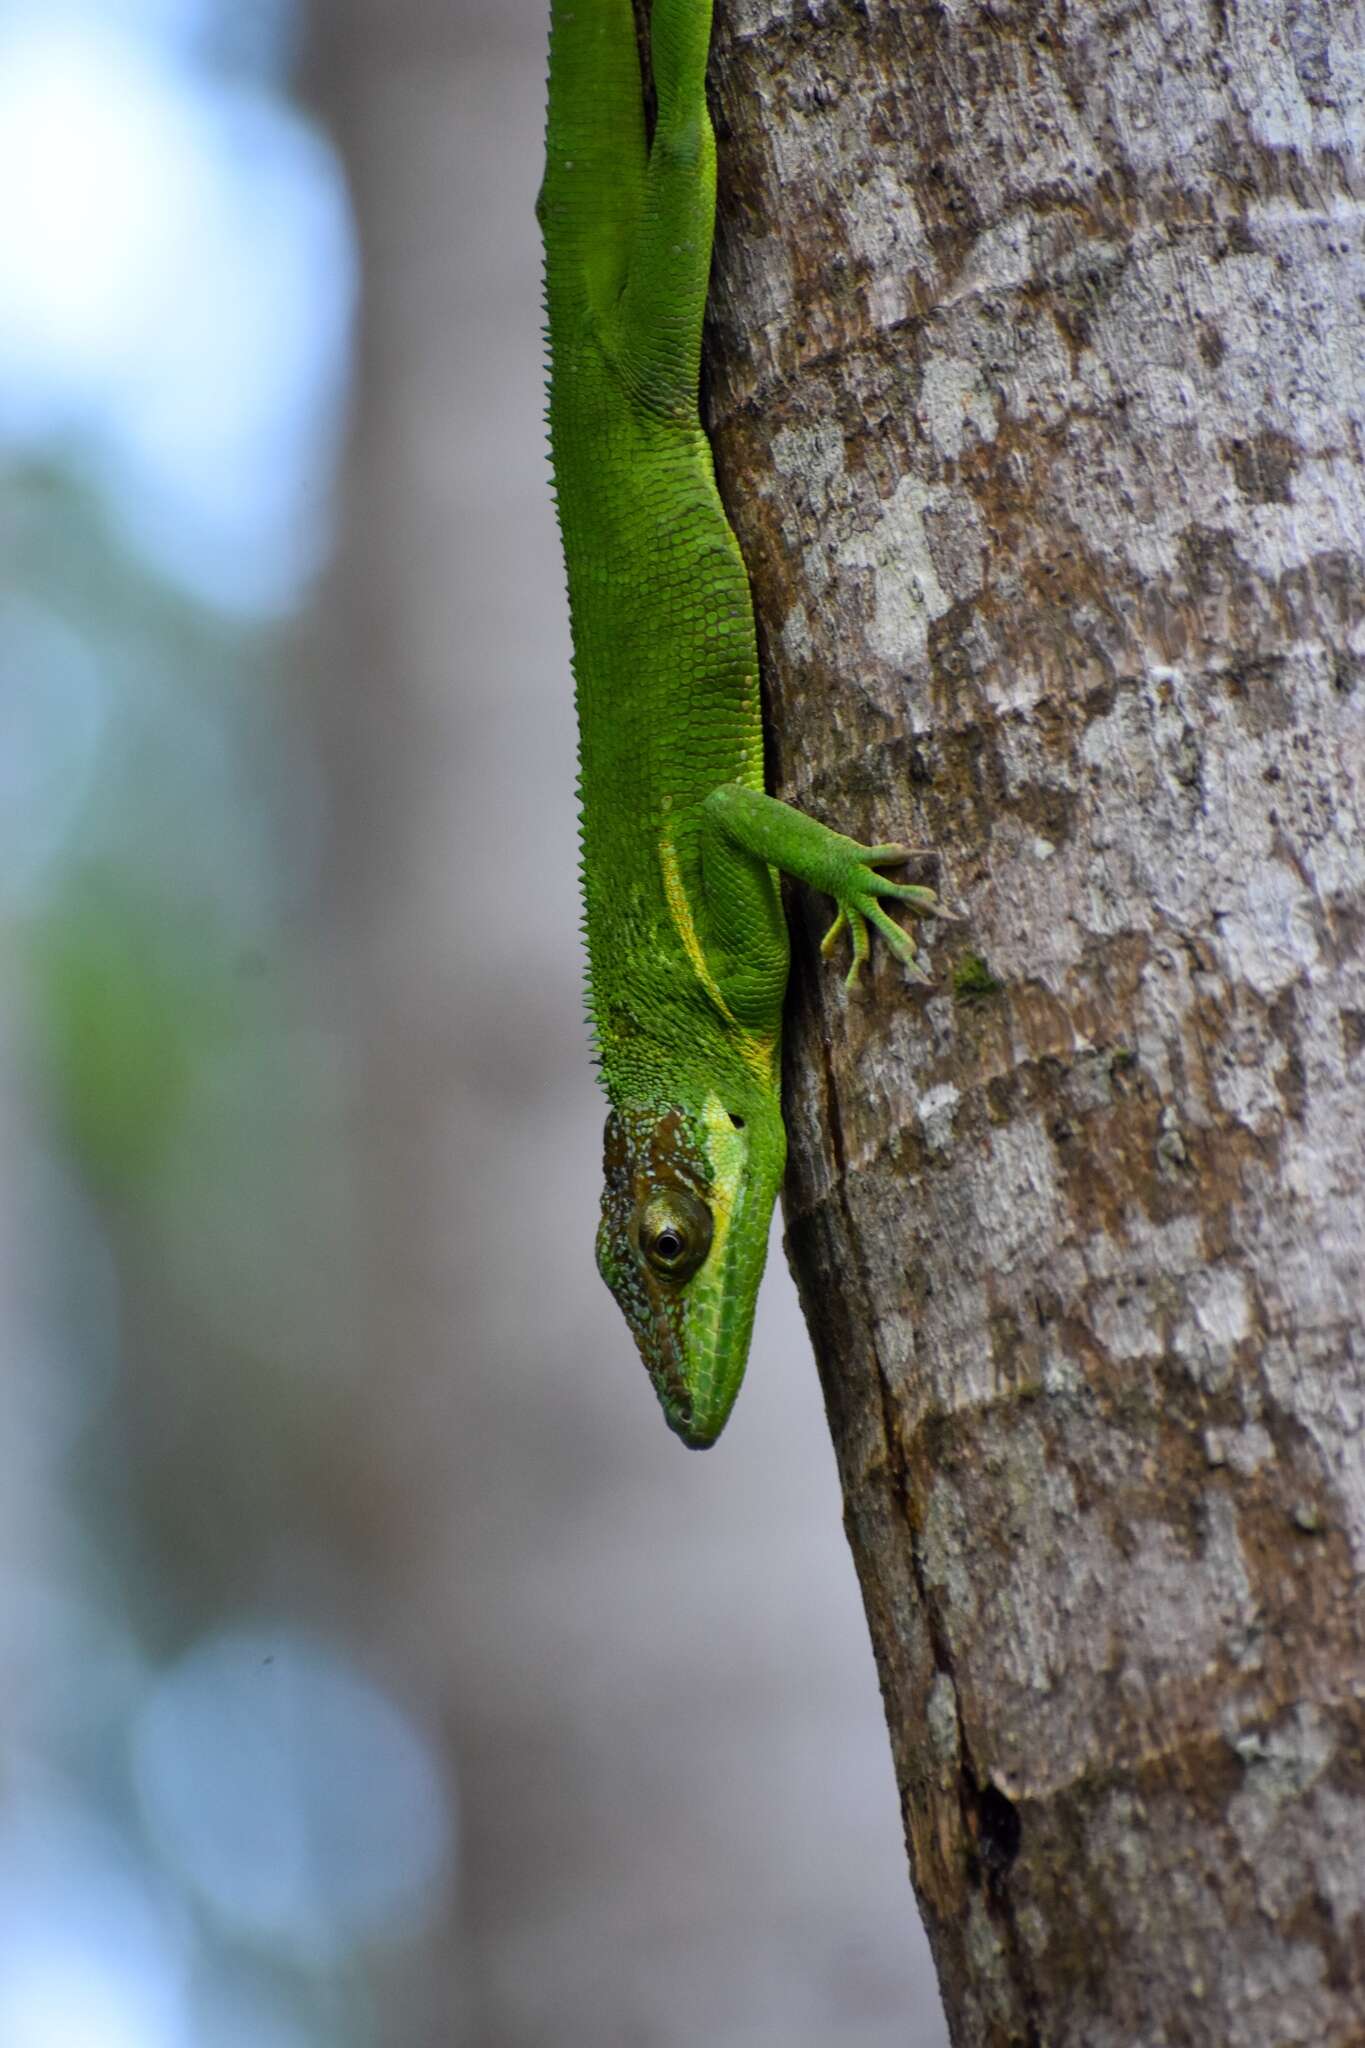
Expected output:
{"points": [[682, 1241]]}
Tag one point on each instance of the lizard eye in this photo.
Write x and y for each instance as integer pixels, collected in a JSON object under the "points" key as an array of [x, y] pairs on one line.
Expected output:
{"points": [[675, 1233]]}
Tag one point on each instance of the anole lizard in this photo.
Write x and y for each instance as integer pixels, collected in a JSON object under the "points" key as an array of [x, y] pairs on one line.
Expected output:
{"points": [[687, 945]]}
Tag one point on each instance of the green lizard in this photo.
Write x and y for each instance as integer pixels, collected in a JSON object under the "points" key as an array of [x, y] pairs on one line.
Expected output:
{"points": [[687, 945]]}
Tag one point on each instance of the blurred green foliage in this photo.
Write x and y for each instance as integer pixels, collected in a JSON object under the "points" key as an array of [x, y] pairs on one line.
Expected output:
{"points": [[124, 1004]]}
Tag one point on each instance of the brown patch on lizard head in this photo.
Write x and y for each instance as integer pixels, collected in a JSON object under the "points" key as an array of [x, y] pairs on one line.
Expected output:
{"points": [[654, 1233]]}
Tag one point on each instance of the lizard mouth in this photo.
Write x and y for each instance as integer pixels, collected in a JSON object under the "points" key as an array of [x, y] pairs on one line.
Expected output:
{"points": [[694, 1344], [674, 1327], [697, 1375]]}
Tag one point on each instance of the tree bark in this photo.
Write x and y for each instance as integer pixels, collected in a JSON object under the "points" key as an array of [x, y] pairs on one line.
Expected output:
{"points": [[1037, 393]]}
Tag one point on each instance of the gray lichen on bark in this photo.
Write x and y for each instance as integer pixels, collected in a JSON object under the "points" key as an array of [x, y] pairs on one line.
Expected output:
{"points": [[1038, 383]]}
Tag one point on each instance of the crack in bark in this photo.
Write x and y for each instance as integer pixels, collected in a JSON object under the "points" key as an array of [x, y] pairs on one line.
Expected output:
{"points": [[991, 1822]]}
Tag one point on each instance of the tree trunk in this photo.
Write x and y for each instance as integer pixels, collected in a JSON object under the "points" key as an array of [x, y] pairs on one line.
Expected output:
{"points": [[1037, 395]]}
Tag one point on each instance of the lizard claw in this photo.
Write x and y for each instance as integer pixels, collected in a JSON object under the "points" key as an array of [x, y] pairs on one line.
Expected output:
{"points": [[857, 931], [856, 915], [893, 855]]}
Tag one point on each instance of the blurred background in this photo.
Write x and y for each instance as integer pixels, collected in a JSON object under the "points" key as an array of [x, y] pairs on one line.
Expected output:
{"points": [[374, 1666]]}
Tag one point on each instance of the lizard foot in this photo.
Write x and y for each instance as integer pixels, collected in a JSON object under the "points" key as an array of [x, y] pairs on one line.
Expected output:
{"points": [[858, 906]]}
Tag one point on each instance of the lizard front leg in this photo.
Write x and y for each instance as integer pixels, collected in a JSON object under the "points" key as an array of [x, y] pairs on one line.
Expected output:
{"points": [[737, 819]]}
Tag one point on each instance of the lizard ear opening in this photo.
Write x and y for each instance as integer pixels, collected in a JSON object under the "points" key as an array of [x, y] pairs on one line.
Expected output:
{"points": [[736, 1119]]}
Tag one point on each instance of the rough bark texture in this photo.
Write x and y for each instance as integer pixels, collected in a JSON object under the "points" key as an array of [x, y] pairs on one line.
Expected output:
{"points": [[1037, 394]]}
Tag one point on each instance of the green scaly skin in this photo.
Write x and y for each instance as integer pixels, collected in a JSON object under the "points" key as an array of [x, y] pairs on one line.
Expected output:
{"points": [[687, 945]]}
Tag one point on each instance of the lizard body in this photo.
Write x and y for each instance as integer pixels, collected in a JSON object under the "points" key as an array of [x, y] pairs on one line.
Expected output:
{"points": [[687, 944]]}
